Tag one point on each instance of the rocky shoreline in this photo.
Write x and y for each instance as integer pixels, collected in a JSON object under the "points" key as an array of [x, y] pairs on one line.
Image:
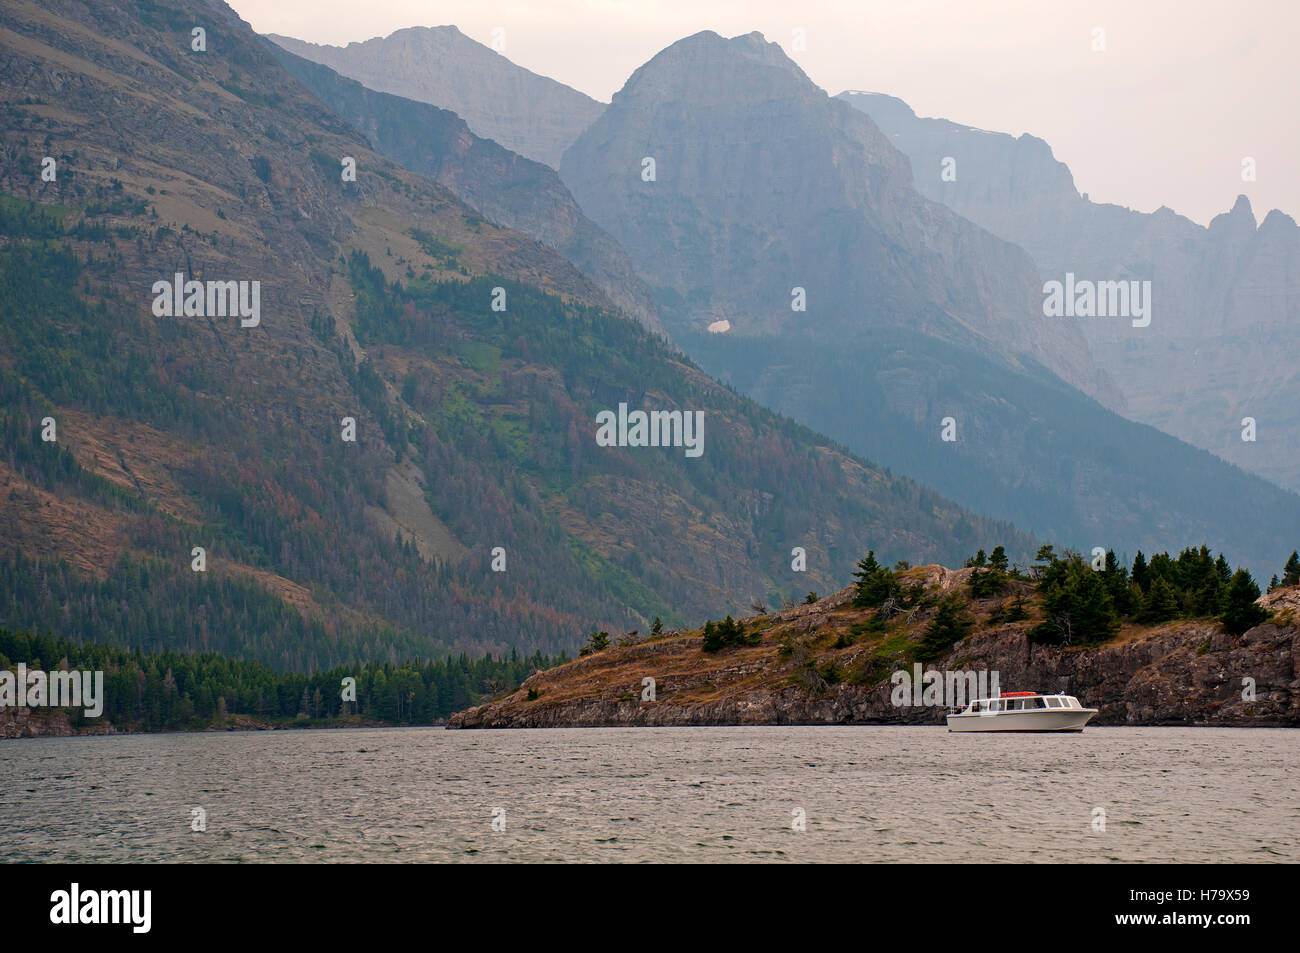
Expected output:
{"points": [[1189, 673]]}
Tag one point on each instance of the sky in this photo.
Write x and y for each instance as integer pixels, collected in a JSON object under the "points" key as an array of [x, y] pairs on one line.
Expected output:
{"points": [[1180, 95]]}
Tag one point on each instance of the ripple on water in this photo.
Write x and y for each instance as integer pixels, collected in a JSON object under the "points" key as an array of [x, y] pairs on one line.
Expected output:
{"points": [[866, 793]]}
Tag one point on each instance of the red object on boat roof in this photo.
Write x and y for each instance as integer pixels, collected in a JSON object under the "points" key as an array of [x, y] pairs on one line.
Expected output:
{"points": [[1017, 694]]}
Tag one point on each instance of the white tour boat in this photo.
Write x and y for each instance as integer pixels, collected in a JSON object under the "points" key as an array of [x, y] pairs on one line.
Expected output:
{"points": [[1021, 711]]}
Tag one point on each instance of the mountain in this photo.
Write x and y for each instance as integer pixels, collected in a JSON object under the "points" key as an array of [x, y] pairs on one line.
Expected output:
{"points": [[528, 114], [764, 184], [916, 321], [506, 188], [831, 663], [1219, 347], [184, 478]]}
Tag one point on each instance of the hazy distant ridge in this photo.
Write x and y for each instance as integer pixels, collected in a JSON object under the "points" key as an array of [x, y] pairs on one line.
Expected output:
{"points": [[529, 114], [1222, 344]]}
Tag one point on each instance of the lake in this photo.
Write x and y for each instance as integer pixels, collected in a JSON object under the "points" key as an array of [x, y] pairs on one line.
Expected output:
{"points": [[656, 794]]}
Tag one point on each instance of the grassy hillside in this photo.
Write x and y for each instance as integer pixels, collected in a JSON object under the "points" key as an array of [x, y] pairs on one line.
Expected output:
{"points": [[1175, 648]]}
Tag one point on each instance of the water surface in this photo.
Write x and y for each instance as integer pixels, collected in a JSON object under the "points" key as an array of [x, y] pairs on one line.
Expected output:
{"points": [[655, 794]]}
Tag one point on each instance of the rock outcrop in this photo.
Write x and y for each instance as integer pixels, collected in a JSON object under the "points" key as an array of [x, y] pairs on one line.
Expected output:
{"points": [[23, 722], [1179, 673]]}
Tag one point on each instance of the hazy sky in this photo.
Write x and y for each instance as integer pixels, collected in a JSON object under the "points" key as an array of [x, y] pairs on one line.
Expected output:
{"points": [[1182, 93]]}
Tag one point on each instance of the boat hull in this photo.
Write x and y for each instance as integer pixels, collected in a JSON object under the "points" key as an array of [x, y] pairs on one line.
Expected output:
{"points": [[1038, 719]]}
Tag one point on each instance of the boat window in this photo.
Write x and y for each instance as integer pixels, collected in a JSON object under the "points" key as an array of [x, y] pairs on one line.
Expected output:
{"points": [[1071, 702], [1053, 702], [995, 705], [1035, 703], [1014, 705]]}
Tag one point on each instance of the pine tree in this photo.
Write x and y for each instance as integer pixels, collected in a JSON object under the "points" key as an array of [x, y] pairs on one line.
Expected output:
{"points": [[1076, 604], [1140, 573], [951, 624], [727, 633], [1046, 558], [1291, 572], [1115, 578], [596, 642], [1160, 604], [1242, 612], [875, 583], [1017, 611], [1207, 598], [1095, 617]]}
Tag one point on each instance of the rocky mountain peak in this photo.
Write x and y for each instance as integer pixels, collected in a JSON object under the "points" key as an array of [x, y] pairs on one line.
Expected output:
{"points": [[1240, 213], [708, 69], [1277, 220]]}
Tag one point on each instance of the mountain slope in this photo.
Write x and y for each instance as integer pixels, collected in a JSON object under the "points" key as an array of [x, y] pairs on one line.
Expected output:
{"points": [[506, 188], [764, 184], [1219, 347], [474, 428], [528, 114]]}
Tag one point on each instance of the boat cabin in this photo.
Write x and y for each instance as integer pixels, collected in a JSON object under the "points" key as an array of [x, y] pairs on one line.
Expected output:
{"points": [[1019, 701]]}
